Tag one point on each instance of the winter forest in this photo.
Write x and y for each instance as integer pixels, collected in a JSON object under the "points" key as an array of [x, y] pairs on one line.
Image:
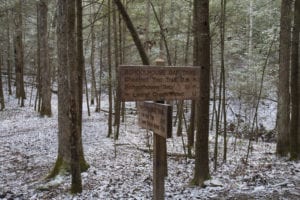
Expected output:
{"points": [[153, 99]]}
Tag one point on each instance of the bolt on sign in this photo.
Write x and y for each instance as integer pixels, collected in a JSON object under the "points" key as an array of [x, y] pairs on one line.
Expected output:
{"points": [[142, 83], [156, 117]]}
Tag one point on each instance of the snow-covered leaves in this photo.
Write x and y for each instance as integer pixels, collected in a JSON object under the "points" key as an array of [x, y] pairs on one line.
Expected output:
{"points": [[28, 149]]}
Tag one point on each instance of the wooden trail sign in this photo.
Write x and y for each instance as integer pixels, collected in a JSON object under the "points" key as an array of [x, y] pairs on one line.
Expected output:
{"points": [[158, 83], [156, 117], [142, 83]]}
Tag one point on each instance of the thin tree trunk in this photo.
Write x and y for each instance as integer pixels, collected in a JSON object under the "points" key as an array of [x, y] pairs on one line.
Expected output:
{"points": [[109, 70], [191, 129], [214, 82], [218, 116], [223, 13], [123, 53], [117, 99], [8, 55], [101, 66], [133, 32], [2, 104], [94, 94], [86, 91], [163, 39], [38, 99], [147, 27], [259, 97]]}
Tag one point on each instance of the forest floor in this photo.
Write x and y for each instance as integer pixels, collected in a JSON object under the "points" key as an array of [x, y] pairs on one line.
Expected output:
{"points": [[123, 169]]}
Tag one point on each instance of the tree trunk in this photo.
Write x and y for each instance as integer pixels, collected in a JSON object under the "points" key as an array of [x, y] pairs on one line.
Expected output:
{"points": [[117, 99], [2, 104], [222, 31], [123, 51], [38, 99], [295, 86], [163, 41], [8, 55], [94, 94], [80, 72], [191, 129], [19, 53], [133, 32], [202, 59], [44, 58], [109, 70], [283, 111], [70, 151]]}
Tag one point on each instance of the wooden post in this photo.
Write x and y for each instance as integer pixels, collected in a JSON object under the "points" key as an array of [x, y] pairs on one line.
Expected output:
{"points": [[158, 83], [159, 158]]}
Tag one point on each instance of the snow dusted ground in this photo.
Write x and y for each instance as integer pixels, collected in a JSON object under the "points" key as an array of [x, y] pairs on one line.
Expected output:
{"points": [[123, 169]]}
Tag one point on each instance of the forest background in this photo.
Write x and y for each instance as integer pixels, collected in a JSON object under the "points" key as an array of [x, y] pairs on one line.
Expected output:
{"points": [[248, 76]]}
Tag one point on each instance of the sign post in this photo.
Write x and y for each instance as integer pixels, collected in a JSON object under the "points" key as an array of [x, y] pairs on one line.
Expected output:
{"points": [[158, 83], [160, 161]]}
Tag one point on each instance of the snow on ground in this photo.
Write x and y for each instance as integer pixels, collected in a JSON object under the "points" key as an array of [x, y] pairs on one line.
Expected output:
{"points": [[123, 169]]}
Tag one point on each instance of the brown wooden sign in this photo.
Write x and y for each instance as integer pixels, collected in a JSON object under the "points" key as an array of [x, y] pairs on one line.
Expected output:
{"points": [[156, 117], [141, 83]]}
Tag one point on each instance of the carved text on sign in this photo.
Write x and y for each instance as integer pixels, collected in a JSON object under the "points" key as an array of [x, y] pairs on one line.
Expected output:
{"points": [[140, 83], [156, 117]]}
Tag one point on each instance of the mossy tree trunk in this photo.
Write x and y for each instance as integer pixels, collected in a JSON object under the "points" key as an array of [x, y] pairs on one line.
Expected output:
{"points": [[70, 151]]}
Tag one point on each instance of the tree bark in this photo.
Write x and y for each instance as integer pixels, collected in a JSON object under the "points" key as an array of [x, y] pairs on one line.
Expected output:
{"points": [[109, 70], [44, 59], [94, 94], [8, 55], [222, 31], [117, 99], [202, 59], [70, 69], [283, 111], [19, 53], [295, 87], [73, 111], [2, 104]]}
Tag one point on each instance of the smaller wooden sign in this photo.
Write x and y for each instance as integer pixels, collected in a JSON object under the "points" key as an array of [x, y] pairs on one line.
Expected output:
{"points": [[156, 117]]}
